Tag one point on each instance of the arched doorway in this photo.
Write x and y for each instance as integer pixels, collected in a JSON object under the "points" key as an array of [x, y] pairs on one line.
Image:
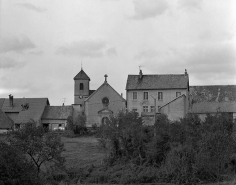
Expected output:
{"points": [[105, 120]]}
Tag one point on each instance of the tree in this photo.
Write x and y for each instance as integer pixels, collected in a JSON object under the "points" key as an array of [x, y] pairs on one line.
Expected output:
{"points": [[15, 168], [80, 124], [40, 147], [70, 124]]}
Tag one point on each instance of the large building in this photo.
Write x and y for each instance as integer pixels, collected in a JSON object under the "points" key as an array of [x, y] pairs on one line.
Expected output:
{"points": [[98, 104], [154, 94], [213, 99], [23, 110]]}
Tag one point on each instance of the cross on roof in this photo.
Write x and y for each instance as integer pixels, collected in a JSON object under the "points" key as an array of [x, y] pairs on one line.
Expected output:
{"points": [[105, 77]]}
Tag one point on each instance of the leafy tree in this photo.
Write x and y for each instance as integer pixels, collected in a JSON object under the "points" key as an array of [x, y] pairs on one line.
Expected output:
{"points": [[15, 168], [80, 124], [40, 147], [70, 124]]}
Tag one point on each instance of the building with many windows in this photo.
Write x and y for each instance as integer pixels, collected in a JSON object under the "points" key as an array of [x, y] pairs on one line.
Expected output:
{"points": [[154, 94]]}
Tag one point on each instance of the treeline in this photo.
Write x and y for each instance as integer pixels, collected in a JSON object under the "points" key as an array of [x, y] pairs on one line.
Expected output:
{"points": [[188, 151]]}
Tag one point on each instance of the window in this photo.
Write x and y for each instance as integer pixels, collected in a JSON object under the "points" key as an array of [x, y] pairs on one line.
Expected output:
{"points": [[105, 101], [152, 108], [145, 108], [160, 96], [145, 95], [81, 86], [135, 110], [178, 94], [135, 95]]}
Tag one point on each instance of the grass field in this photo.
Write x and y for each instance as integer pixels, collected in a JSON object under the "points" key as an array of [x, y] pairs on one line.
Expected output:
{"points": [[82, 151]]}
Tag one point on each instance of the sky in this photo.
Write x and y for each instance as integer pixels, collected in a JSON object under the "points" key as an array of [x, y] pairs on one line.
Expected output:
{"points": [[44, 42]]}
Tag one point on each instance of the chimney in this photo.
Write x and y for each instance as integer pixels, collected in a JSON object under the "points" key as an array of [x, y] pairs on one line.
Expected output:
{"points": [[121, 95], [10, 101], [140, 74], [185, 73]]}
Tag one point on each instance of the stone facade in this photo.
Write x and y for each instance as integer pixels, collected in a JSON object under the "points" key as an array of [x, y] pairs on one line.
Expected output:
{"points": [[97, 105]]}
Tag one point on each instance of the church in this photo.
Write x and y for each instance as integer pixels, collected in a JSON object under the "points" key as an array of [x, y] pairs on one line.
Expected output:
{"points": [[98, 104]]}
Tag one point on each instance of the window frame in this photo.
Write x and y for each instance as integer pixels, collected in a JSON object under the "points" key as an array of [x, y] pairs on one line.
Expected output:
{"points": [[152, 108], [81, 86], [134, 96], [145, 108], [158, 97], [145, 92]]}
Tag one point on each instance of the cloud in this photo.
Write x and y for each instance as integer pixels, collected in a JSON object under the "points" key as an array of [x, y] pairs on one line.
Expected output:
{"points": [[40, 52], [30, 6], [16, 44], [84, 48], [190, 4], [9, 63], [210, 61], [111, 51], [147, 54], [149, 8]]}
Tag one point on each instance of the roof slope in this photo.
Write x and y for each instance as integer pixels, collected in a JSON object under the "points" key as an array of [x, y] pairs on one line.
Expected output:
{"points": [[211, 93], [1, 102], [213, 107], [105, 83], [57, 112], [5, 121], [81, 76], [35, 110], [171, 81]]}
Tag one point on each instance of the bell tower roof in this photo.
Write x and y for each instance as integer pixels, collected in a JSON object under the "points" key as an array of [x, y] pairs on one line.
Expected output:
{"points": [[81, 76]]}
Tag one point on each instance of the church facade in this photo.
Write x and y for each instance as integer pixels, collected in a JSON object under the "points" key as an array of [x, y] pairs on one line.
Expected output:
{"points": [[98, 104]]}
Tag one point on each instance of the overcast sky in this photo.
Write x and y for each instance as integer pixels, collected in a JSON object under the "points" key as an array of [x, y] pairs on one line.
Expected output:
{"points": [[43, 42]]}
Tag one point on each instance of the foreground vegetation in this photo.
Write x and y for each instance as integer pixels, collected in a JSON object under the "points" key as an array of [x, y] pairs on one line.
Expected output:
{"points": [[183, 152]]}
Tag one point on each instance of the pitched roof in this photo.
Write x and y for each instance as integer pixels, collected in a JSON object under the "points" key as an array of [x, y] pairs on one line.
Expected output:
{"points": [[105, 83], [35, 110], [81, 76], [5, 121], [1, 102], [212, 107], [171, 81], [211, 93], [57, 112]]}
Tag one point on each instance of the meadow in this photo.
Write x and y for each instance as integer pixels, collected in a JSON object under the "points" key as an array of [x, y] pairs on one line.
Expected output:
{"points": [[82, 151]]}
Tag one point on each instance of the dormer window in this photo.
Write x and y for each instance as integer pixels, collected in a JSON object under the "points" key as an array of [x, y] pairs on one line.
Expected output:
{"points": [[81, 86]]}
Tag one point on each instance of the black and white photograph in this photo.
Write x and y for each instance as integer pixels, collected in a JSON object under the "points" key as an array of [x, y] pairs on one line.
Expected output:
{"points": [[118, 92]]}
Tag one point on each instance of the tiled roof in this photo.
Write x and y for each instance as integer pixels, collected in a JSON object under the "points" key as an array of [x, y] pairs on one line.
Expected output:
{"points": [[213, 107], [57, 112], [171, 81], [35, 110], [1, 102], [91, 92], [211, 93], [5, 121], [81, 76]]}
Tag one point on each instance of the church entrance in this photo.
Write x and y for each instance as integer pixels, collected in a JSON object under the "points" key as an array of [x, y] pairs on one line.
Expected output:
{"points": [[105, 120]]}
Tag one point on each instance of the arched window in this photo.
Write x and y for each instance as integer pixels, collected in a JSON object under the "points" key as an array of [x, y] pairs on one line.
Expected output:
{"points": [[81, 86]]}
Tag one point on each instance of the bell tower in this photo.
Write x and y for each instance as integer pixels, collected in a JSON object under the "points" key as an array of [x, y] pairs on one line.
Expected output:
{"points": [[81, 87]]}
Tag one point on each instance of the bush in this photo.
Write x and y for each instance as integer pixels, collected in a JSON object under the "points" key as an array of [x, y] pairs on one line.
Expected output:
{"points": [[15, 168]]}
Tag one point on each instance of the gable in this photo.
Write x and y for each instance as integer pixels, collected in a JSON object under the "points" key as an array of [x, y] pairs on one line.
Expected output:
{"points": [[105, 90]]}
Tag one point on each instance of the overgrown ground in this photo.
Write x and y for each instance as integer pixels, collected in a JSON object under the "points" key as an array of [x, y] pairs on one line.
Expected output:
{"points": [[82, 151]]}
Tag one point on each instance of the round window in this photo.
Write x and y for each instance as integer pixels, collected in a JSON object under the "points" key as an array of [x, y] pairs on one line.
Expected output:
{"points": [[105, 101]]}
